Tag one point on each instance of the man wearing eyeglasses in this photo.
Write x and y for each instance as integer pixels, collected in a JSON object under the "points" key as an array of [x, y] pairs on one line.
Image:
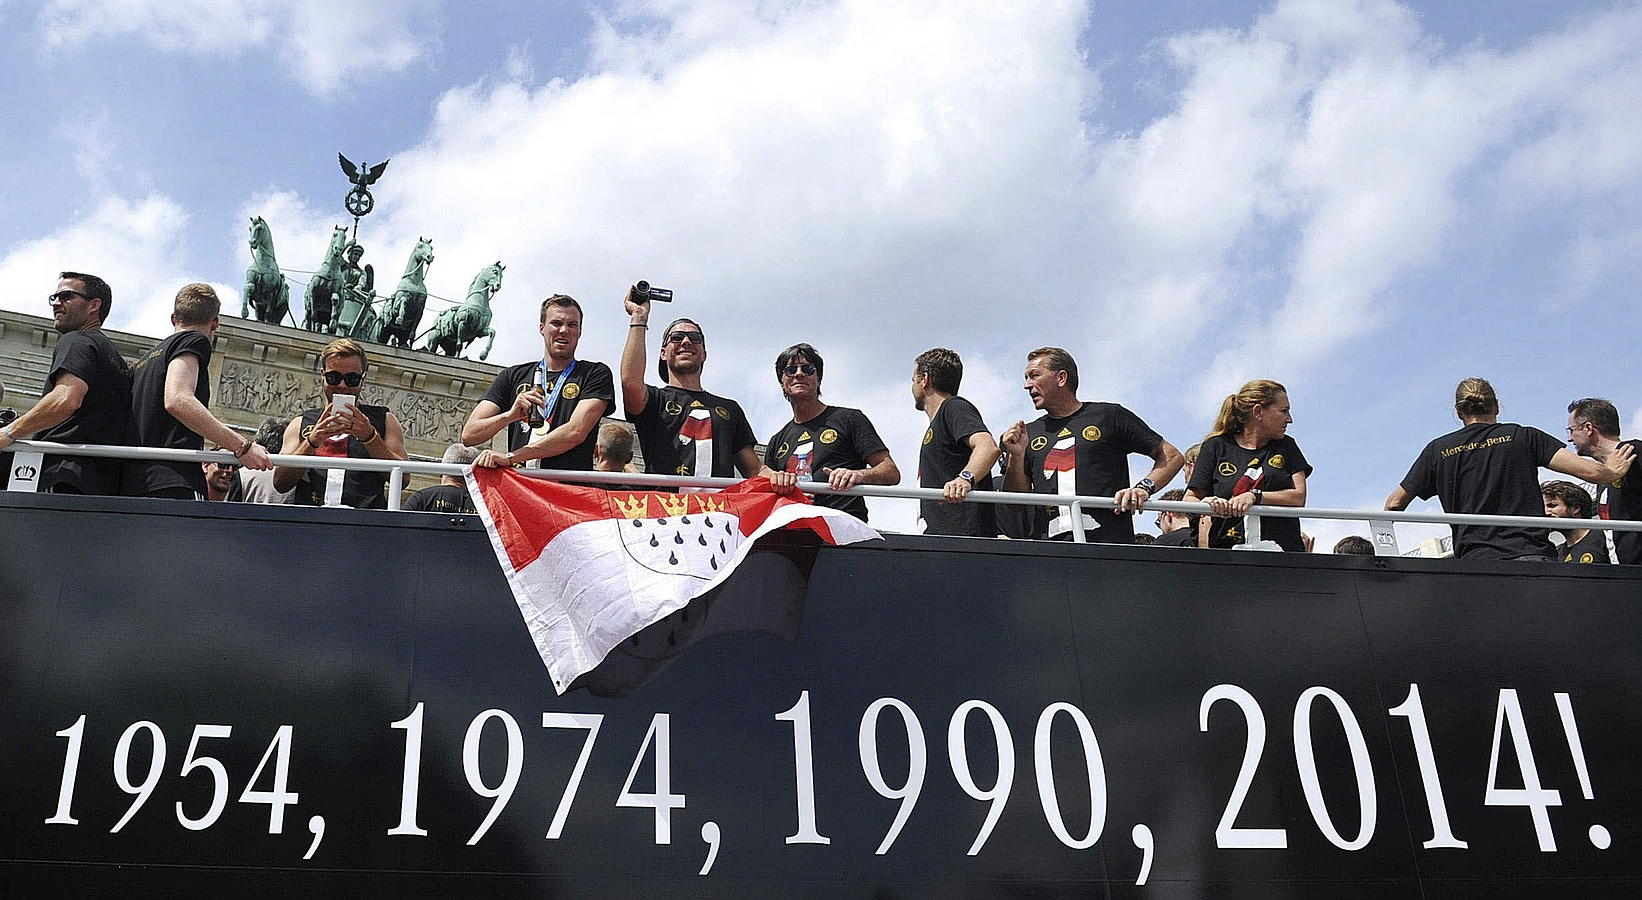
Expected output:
{"points": [[341, 428], [834, 444], [170, 392], [87, 395], [682, 429], [570, 395], [1593, 432]]}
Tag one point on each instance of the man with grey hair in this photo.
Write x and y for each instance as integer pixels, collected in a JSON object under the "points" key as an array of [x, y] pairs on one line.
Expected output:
{"points": [[450, 495], [259, 483]]}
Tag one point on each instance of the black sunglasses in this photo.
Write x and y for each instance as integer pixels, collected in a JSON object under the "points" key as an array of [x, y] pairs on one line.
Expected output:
{"points": [[351, 379], [686, 337], [65, 296], [229, 466], [797, 368]]}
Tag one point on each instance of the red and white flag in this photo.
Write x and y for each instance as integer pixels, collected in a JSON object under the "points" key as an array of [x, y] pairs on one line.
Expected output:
{"points": [[590, 568]]}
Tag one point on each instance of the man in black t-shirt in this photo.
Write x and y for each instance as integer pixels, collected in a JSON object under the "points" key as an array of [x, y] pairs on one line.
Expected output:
{"points": [[170, 393], [682, 429], [87, 394], [1082, 448], [579, 392], [341, 428], [450, 495], [1490, 467], [1566, 500], [1593, 430], [957, 452], [831, 443], [1175, 529]]}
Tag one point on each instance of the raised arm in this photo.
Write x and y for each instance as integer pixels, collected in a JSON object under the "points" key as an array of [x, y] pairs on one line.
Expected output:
{"points": [[633, 356], [1013, 440]]}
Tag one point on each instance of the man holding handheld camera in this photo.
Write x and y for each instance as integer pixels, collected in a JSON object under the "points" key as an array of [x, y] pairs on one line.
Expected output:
{"points": [[682, 429], [343, 427]]}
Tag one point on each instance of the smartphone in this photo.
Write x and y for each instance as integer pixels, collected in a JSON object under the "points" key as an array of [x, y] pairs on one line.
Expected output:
{"points": [[340, 400]]}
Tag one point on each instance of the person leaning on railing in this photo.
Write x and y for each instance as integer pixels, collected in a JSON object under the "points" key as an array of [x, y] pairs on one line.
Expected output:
{"points": [[170, 400], [339, 429], [1566, 500], [1081, 448], [450, 495], [1491, 467], [87, 395], [1249, 460]]}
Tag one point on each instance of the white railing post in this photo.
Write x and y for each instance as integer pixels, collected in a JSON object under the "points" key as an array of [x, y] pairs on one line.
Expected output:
{"points": [[25, 471], [1385, 537], [396, 487], [1251, 527], [1075, 510]]}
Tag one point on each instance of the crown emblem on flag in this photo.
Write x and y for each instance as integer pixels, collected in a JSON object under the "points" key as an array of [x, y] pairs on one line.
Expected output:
{"points": [[708, 504], [636, 506], [675, 504]]}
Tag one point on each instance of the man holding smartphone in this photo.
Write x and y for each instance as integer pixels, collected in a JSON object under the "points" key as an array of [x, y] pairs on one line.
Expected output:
{"points": [[344, 427]]}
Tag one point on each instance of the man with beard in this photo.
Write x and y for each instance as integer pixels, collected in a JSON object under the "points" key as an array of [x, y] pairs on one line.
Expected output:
{"points": [[831, 443], [682, 429], [1566, 500], [1082, 448], [222, 481], [567, 397], [87, 395]]}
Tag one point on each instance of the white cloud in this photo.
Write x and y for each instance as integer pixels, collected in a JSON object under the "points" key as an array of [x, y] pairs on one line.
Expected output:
{"points": [[876, 179], [326, 46], [133, 244]]}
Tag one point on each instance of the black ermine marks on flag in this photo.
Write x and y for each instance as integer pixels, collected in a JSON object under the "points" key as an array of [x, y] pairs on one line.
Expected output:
{"points": [[672, 558], [637, 524], [702, 539], [685, 520], [654, 542], [678, 537], [661, 521]]}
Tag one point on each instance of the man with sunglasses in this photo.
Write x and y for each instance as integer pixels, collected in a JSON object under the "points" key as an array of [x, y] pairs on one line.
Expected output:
{"points": [[571, 395], [87, 395], [834, 444], [170, 390], [341, 429], [222, 481], [682, 429]]}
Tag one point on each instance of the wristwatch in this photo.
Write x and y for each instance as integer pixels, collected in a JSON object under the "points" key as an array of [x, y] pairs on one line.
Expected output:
{"points": [[967, 476], [1258, 494], [1147, 484]]}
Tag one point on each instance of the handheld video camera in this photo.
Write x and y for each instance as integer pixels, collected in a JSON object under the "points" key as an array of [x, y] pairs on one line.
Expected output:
{"points": [[644, 293]]}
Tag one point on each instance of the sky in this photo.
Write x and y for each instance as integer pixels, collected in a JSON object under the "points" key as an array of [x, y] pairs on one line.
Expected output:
{"points": [[1366, 201]]}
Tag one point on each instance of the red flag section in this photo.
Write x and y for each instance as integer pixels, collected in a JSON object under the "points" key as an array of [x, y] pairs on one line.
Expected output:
{"points": [[590, 568]]}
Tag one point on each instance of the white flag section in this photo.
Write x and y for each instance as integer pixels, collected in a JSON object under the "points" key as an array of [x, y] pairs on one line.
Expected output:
{"points": [[590, 568]]}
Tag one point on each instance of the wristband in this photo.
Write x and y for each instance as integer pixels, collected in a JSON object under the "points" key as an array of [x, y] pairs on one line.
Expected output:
{"points": [[374, 435], [243, 449], [638, 325]]}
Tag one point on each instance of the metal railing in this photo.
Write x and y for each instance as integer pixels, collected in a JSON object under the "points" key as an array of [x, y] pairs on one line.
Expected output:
{"points": [[29, 456]]}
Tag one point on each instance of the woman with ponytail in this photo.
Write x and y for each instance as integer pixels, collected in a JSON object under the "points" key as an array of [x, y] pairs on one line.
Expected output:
{"points": [[1248, 460]]}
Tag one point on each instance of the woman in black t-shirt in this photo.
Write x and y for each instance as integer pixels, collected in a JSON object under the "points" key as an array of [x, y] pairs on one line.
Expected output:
{"points": [[1249, 459]]}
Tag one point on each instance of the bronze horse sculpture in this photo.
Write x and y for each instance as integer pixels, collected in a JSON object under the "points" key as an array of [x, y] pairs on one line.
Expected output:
{"points": [[266, 290], [462, 325], [402, 313], [322, 300]]}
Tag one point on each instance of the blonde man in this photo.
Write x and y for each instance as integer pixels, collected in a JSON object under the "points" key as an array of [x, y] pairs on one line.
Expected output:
{"points": [[344, 427]]}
